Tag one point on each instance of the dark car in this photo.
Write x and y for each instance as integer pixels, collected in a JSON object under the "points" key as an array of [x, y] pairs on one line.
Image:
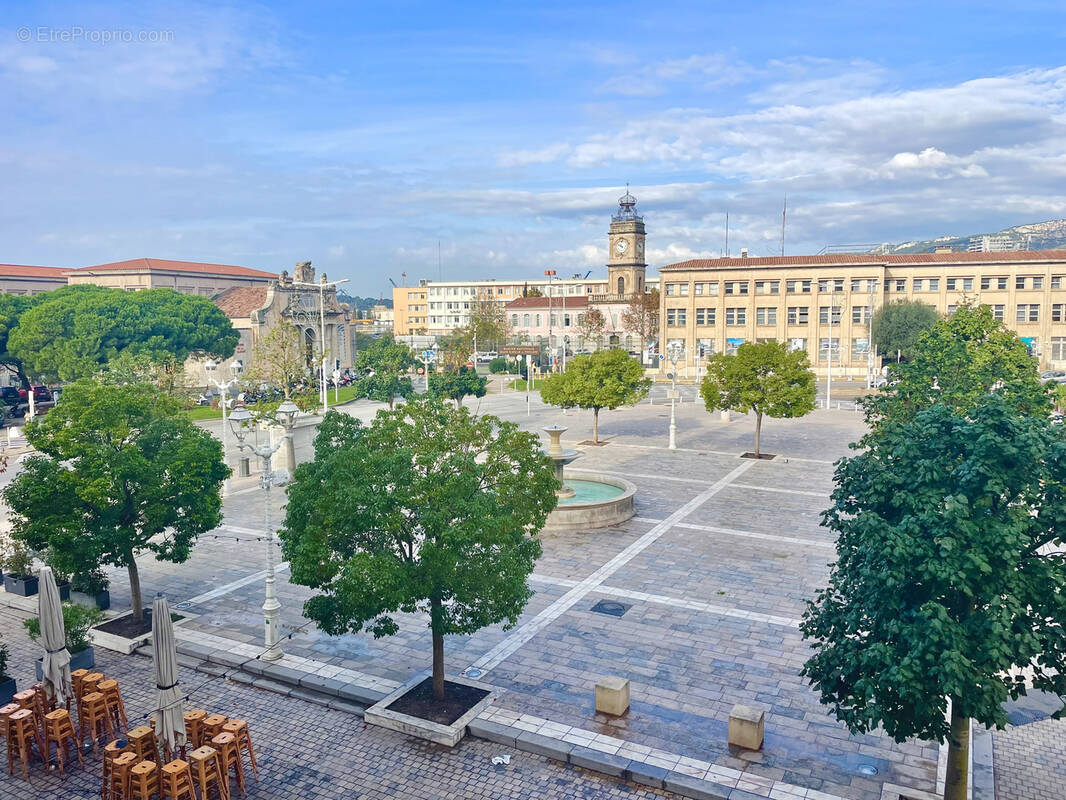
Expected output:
{"points": [[9, 395]]}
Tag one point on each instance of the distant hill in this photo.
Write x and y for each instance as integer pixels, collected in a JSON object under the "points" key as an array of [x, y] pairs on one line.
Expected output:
{"points": [[363, 303], [1049, 235]]}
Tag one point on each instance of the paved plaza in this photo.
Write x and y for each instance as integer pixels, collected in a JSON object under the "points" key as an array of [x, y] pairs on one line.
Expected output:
{"points": [[712, 573]]}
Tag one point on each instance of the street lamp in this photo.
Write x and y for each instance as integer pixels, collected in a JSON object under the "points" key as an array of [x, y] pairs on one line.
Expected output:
{"points": [[288, 411], [223, 390], [675, 351], [239, 420]]}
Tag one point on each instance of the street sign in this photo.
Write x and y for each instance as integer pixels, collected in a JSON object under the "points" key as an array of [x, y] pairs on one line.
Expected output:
{"points": [[429, 355], [661, 356], [673, 394], [519, 350]]}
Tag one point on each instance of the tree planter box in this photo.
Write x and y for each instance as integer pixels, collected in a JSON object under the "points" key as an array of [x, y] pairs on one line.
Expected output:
{"points": [[83, 659], [26, 586], [7, 690], [64, 591], [122, 643], [102, 599], [380, 714]]}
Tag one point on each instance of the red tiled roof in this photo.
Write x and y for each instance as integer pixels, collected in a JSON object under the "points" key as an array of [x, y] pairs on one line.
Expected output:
{"points": [[241, 301], [839, 259], [178, 266], [542, 302], [22, 271]]}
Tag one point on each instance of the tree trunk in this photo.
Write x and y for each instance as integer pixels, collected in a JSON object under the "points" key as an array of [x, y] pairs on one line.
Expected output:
{"points": [[758, 430], [596, 425], [438, 650], [955, 787], [135, 589]]}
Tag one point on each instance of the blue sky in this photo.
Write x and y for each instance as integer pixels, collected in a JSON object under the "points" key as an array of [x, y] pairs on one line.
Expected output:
{"points": [[358, 135]]}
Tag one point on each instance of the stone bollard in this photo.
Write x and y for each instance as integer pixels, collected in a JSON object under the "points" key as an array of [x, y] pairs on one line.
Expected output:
{"points": [[725, 416], [746, 727], [612, 695]]}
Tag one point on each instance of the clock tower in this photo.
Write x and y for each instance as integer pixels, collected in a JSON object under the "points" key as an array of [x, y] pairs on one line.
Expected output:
{"points": [[626, 267]]}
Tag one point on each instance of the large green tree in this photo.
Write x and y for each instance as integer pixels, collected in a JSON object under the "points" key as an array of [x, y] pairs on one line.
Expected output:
{"points": [[121, 471], [959, 361], [897, 326], [384, 365], [488, 324], [428, 509], [457, 384], [604, 379], [73, 332], [945, 581], [764, 377], [12, 307]]}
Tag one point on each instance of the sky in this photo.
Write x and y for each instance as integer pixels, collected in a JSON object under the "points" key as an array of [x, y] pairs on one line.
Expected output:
{"points": [[368, 137]]}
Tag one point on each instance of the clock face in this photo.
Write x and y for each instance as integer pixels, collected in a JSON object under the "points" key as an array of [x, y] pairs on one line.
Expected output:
{"points": [[621, 246]]}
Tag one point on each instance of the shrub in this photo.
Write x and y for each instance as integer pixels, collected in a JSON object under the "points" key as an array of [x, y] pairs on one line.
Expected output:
{"points": [[3, 660], [498, 365], [77, 619]]}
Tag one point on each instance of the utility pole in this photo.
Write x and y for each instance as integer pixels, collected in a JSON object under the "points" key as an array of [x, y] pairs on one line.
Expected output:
{"points": [[784, 207], [323, 394], [550, 273], [727, 233], [829, 353]]}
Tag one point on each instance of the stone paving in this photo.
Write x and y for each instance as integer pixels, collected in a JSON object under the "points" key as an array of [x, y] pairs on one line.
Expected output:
{"points": [[715, 568], [1030, 761]]}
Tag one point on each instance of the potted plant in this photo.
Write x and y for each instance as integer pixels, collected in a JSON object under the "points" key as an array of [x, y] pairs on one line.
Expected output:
{"points": [[7, 683], [77, 619], [94, 583], [18, 570]]}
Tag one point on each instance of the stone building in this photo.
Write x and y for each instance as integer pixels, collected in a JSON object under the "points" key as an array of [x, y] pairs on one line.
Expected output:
{"points": [[187, 277], [22, 279]]}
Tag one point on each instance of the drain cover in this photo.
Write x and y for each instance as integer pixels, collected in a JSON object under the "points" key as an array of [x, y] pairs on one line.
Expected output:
{"points": [[473, 672], [867, 769], [184, 604], [611, 608]]}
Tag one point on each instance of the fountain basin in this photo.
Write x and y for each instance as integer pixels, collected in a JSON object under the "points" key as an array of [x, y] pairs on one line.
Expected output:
{"points": [[600, 501]]}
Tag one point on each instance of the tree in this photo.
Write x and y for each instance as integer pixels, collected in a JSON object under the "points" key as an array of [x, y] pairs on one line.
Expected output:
{"points": [[167, 376], [429, 509], [72, 332], [385, 363], [604, 379], [957, 362], [122, 471], [454, 351], [945, 582], [280, 358], [488, 323], [592, 326], [12, 307], [897, 326], [641, 317], [458, 384], [763, 377]]}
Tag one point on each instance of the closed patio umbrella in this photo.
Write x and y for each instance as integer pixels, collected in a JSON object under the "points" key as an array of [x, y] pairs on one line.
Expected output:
{"points": [[168, 714], [56, 664]]}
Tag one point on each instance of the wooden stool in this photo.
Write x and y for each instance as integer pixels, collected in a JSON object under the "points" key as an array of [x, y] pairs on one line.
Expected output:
{"points": [[42, 703], [5, 715], [112, 750], [94, 719], [212, 726], [194, 726], [206, 766], [239, 729], [91, 681], [21, 735], [142, 740], [175, 779], [59, 728], [113, 700], [77, 677], [118, 785], [226, 744], [144, 781], [27, 698]]}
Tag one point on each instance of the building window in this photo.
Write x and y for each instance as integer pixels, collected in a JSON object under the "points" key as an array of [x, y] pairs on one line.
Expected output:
{"points": [[952, 309], [514, 320], [831, 285], [934, 284], [823, 314], [919, 285], [736, 316], [705, 316], [1058, 348], [767, 287], [797, 315], [766, 315], [675, 316], [993, 283], [736, 287], [860, 314], [860, 349], [998, 311], [732, 345], [1019, 282], [863, 284], [1028, 312], [538, 320], [671, 289], [960, 284], [825, 346], [798, 287], [1056, 281], [1056, 312], [705, 347], [525, 320], [795, 343], [1038, 282]]}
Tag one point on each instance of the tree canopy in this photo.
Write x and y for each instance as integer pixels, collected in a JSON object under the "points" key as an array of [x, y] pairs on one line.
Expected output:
{"points": [[944, 582], [604, 379], [120, 471], [763, 377], [488, 324], [280, 358], [593, 324], [72, 332], [641, 317], [384, 364], [428, 509], [897, 326], [12, 307], [455, 385]]}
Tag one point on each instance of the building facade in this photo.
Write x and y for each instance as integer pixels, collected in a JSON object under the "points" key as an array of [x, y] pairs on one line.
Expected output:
{"points": [[824, 304], [187, 277], [22, 279]]}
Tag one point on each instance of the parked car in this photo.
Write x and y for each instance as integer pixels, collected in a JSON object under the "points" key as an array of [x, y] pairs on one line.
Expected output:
{"points": [[1053, 376]]}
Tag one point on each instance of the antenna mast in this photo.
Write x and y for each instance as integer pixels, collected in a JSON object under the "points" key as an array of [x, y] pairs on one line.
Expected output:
{"points": [[727, 233], [440, 269], [784, 207]]}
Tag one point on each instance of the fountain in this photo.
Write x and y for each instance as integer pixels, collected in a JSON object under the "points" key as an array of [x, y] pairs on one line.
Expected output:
{"points": [[591, 501]]}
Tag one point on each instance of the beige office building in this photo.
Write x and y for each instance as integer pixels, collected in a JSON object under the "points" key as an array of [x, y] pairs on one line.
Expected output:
{"points": [[23, 279], [823, 304], [187, 277]]}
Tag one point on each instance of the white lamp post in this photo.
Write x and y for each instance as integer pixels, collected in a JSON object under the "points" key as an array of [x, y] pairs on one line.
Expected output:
{"points": [[240, 419], [675, 351], [223, 389]]}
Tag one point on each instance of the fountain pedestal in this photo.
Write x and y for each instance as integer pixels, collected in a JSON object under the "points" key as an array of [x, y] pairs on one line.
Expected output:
{"points": [[587, 507], [561, 458]]}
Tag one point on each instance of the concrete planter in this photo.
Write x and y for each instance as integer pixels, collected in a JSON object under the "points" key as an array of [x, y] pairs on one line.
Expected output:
{"points": [[24, 585], [380, 715], [64, 591], [83, 659], [7, 690], [120, 644]]}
